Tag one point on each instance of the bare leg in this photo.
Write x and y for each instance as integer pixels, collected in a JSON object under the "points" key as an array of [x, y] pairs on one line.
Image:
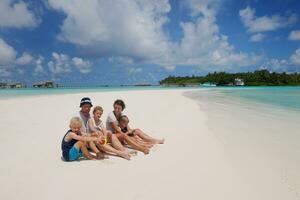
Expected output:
{"points": [[99, 154], [135, 145], [117, 144], [147, 138], [82, 146], [110, 149], [141, 142]]}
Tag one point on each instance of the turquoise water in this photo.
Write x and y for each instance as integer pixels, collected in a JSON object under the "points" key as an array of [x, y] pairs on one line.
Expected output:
{"points": [[284, 97], [15, 93]]}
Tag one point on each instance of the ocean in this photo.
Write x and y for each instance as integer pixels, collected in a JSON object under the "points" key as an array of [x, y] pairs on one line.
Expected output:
{"points": [[280, 97], [27, 92]]}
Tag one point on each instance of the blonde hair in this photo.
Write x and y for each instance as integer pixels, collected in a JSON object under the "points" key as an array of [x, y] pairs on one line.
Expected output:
{"points": [[124, 118], [98, 108], [75, 121]]}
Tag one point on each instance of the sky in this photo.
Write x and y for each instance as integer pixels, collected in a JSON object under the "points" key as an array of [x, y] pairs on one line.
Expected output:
{"points": [[120, 42]]}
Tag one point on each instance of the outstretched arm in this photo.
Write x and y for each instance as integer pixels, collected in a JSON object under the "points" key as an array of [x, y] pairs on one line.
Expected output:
{"points": [[85, 138], [129, 129], [116, 127], [91, 126]]}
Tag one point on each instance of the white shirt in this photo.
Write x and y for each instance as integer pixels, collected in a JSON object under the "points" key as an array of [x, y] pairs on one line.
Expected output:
{"points": [[110, 119], [84, 121], [99, 127]]}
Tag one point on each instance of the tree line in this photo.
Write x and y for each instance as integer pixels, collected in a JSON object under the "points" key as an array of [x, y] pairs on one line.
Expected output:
{"points": [[256, 78]]}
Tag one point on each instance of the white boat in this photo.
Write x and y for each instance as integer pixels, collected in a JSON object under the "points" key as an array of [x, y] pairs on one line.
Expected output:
{"points": [[208, 84]]}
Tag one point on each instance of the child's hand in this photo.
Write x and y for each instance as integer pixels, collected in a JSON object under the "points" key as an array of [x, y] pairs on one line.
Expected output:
{"points": [[100, 133], [101, 139], [130, 133], [95, 134]]}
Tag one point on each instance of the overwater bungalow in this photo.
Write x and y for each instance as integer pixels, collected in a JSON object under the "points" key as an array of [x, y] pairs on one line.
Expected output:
{"points": [[47, 84]]}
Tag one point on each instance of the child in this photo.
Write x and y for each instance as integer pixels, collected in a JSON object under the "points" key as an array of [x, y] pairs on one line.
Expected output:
{"points": [[74, 142], [96, 128], [137, 133]]}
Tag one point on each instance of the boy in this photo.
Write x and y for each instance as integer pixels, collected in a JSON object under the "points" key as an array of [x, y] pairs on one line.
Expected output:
{"points": [[74, 142]]}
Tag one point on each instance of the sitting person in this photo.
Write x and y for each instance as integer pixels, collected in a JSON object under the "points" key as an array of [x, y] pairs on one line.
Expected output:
{"points": [[74, 142], [96, 128], [84, 116], [112, 124], [137, 133]]}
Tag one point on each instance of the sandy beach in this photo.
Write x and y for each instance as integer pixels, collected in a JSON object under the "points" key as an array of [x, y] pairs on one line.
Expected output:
{"points": [[194, 163]]}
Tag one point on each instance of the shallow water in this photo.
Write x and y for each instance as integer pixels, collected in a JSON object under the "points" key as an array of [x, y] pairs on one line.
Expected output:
{"points": [[288, 97], [258, 129], [25, 92]]}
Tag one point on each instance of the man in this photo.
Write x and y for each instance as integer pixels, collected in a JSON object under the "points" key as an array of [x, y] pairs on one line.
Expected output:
{"points": [[84, 113]]}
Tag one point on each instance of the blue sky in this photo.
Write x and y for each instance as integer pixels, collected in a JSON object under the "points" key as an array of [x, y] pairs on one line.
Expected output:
{"points": [[96, 42]]}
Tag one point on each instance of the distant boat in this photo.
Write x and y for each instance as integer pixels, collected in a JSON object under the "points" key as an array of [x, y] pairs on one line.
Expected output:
{"points": [[239, 82], [208, 84]]}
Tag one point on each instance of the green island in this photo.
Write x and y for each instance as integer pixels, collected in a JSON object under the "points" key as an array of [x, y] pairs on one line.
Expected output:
{"points": [[256, 78]]}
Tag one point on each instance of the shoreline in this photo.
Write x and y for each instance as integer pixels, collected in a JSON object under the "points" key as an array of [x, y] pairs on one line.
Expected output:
{"points": [[64, 91], [15, 93]]}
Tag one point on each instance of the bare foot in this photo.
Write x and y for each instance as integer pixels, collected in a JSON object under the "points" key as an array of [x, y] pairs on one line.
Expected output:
{"points": [[146, 151], [125, 155], [161, 141], [100, 156], [133, 152], [90, 157]]}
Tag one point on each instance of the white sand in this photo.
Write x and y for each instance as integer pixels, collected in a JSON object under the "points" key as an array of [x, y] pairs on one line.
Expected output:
{"points": [[190, 165]]}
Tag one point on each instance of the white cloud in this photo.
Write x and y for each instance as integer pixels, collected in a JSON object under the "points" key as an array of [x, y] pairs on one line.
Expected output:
{"points": [[264, 23], [9, 60], [133, 71], [128, 28], [295, 58], [62, 64], [207, 7], [133, 30], [170, 67], [59, 64], [4, 72], [7, 53], [203, 43], [25, 59], [257, 37], [39, 69], [291, 64], [82, 65], [16, 14], [276, 64], [294, 35], [121, 60]]}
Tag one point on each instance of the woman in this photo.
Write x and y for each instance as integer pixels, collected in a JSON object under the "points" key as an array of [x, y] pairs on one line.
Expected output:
{"points": [[112, 124]]}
